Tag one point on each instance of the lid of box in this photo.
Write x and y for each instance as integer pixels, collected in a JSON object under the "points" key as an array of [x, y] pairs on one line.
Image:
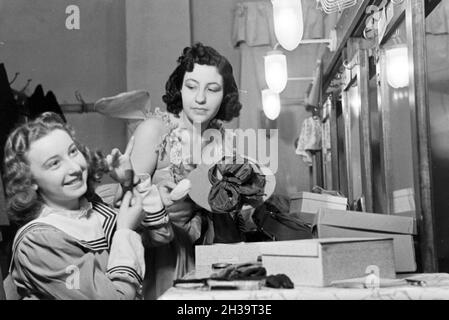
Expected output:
{"points": [[318, 196], [366, 221], [306, 248], [403, 192]]}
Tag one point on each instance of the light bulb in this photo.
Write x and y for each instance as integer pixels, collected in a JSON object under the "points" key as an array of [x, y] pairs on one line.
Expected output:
{"points": [[397, 67], [288, 22], [276, 70], [271, 104]]}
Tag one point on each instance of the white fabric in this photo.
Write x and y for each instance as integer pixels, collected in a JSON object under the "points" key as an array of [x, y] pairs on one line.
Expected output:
{"points": [[81, 224], [127, 250], [309, 139], [151, 203], [132, 105]]}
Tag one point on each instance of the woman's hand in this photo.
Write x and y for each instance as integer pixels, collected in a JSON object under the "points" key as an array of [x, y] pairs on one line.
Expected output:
{"points": [[131, 213], [120, 164], [171, 192], [173, 197]]}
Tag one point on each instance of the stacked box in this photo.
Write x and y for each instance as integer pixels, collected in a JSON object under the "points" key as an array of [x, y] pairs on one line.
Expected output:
{"points": [[318, 262], [338, 223]]}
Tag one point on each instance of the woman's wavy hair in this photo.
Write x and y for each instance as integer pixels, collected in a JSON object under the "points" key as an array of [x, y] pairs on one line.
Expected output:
{"points": [[23, 202], [203, 55]]}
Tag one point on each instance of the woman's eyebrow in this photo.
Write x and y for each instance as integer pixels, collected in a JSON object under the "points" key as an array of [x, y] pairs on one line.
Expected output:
{"points": [[191, 79], [215, 83], [208, 84], [71, 145]]}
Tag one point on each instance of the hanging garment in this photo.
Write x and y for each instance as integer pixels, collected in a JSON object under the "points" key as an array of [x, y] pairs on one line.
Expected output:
{"points": [[9, 117], [36, 103], [39, 102], [52, 105], [9, 113], [309, 139]]}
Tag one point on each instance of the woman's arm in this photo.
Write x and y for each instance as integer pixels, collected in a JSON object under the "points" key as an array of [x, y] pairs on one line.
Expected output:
{"points": [[144, 159], [51, 265], [147, 138]]}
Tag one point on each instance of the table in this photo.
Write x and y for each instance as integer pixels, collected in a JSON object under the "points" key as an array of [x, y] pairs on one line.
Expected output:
{"points": [[437, 287]]}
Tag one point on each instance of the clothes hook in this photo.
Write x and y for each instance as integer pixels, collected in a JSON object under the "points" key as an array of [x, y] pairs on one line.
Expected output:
{"points": [[81, 100], [26, 86], [14, 78]]}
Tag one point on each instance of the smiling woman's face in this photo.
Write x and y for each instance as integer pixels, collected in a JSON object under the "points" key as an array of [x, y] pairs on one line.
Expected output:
{"points": [[58, 169], [202, 93]]}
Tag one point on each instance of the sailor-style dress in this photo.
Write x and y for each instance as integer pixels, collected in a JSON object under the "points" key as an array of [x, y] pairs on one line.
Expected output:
{"points": [[79, 254]]}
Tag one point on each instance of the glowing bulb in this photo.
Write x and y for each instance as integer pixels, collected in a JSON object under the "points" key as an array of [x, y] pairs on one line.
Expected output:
{"points": [[397, 67], [355, 104], [271, 104], [288, 22], [276, 70]]}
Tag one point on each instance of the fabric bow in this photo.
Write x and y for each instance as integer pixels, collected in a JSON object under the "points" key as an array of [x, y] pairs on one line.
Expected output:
{"points": [[239, 184]]}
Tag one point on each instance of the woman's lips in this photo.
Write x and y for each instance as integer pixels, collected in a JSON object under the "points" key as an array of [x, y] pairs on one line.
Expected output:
{"points": [[75, 181], [199, 110], [72, 182]]}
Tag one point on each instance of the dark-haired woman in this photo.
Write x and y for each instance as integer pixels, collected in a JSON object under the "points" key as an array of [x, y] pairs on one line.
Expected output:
{"points": [[201, 93]]}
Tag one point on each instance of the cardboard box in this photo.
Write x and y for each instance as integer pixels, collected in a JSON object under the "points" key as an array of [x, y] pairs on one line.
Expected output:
{"points": [[318, 262], [206, 255], [338, 223], [403, 200], [307, 204]]}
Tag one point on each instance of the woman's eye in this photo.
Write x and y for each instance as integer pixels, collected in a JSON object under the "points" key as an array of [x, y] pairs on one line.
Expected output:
{"points": [[74, 151], [214, 89], [54, 164]]}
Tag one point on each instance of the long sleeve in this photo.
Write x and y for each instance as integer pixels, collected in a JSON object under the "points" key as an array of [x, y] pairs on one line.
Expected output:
{"points": [[160, 223], [182, 218], [49, 264]]}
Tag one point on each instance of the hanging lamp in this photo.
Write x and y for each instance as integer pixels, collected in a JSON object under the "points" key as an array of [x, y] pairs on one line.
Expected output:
{"points": [[288, 22], [271, 104]]}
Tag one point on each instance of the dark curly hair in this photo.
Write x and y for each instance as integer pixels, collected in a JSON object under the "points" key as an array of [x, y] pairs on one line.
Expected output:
{"points": [[203, 55], [23, 202]]}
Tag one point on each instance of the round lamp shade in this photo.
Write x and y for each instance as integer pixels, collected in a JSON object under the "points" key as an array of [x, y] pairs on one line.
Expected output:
{"points": [[276, 70], [288, 22], [271, 104]]}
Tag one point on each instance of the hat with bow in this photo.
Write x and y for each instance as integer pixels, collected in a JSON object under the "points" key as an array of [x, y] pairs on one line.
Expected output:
{"points": [[230, 184]]}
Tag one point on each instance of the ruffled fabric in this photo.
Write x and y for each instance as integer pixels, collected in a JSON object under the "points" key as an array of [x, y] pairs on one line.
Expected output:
{"points": [[233, 185], [309, 139], [174, 144]]}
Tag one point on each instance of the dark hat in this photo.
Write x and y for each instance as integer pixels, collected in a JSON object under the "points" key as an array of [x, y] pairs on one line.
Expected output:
{"points": [[231, 183]]}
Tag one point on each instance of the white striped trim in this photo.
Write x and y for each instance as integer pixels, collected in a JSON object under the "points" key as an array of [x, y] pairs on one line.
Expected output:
{"points": [[109, 222], [128, 270]]}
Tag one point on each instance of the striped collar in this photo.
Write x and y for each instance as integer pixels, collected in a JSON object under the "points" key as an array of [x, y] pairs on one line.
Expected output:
{"points": [[93, 231]]}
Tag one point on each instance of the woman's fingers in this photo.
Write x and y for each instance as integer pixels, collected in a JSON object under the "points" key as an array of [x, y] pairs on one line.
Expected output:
{"points": [[126, 200], [167, 184], [109, 161], [137, 197], [115, 156], [165, 188], [181, 190]]}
